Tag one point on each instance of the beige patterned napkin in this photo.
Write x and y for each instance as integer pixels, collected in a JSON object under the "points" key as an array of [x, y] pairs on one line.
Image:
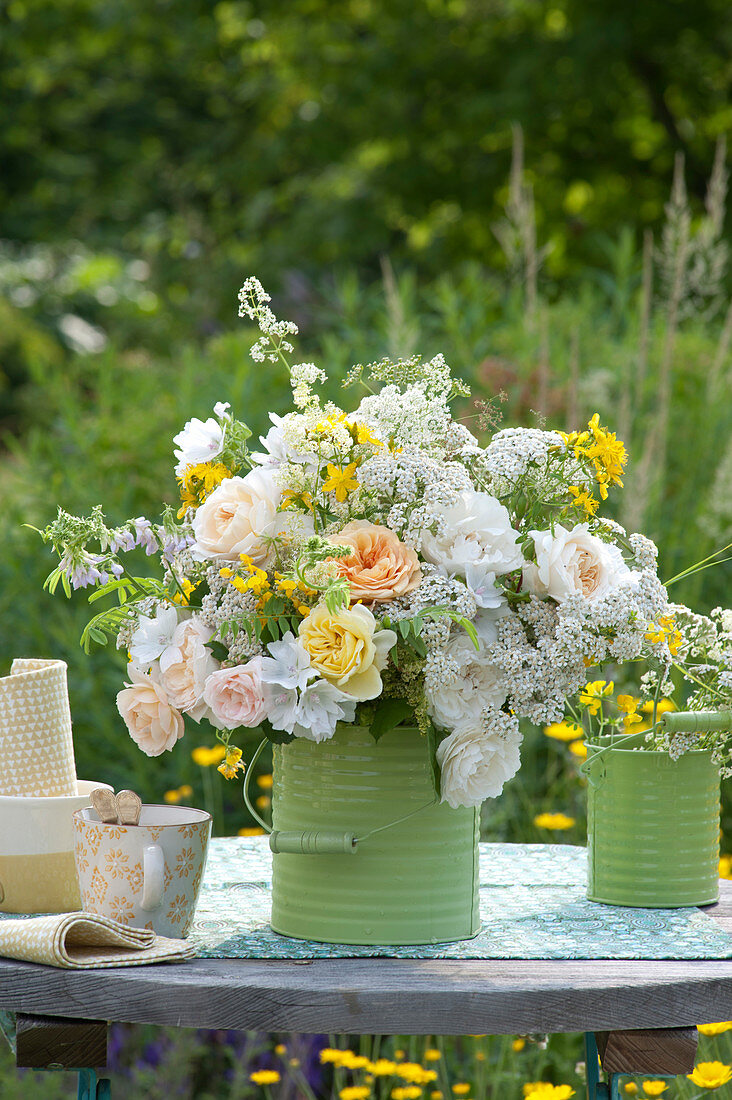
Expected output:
{"points": [[84, 941], [36, 747]]}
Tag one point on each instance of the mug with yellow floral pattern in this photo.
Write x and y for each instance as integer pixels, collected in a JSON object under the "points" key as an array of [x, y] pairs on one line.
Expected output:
{"points": [[146, 875]]}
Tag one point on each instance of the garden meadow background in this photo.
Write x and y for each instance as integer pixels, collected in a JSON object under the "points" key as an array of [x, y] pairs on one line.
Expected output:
{"points": [[536, 189]]}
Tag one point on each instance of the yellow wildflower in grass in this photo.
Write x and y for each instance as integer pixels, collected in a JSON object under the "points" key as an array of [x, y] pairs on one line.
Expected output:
{"points": [[406, 1092], [263, 802], [280, 1049], [353, 1061], [330, 1055], [630, 1087], [251, 830], [340, 480], [582, 498], [654, 1088], [715, 1029], [480, 1056], [711, 1075], [171, 797], [544, 1091], [415, 1074], [382, 1067], [593, 693], [207, 757], [564, 731], [436, 1095], [265, 781], [399, 1055], [553, 821], [461, 1088], [518, 1045], [185, 791], [355, 1092], [432, 1054], [265, 1077], [578, 749], [295, 1062], [232, 763]]}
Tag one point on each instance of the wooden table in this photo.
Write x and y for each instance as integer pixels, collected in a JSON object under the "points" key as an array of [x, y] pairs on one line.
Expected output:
{"points": [[396, 996]]}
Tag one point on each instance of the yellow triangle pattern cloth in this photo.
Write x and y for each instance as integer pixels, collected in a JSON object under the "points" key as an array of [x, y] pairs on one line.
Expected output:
{"points": [[84, 941], [36, 746]]}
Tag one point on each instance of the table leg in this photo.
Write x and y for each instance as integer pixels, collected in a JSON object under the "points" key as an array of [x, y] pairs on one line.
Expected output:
{"points": [[58, 1043], [655, 1052]]}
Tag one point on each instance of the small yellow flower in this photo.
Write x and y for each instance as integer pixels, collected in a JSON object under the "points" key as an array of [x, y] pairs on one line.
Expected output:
{"points": [[328, 1055], [280, 1049], [183, 597], [578, 749], [265, 782], [584, 499], [564, 731], [415, 1074], [532, 1086], [630, 1087], [654, 1088], [355, 1092], [432, 1054], [711, 1075], [628, 704], [593, 693], [232, 764], [715, 1029], [340, 480], [664, 705], [461, 1088], [436, 1095], [251, 830], [263, 802], [544, 1091], [207, 757], [406, 1092], [185, 791], [363, 435], [382, 1067], [294, 1062], [553, 821], [265, 1077], [518, 1045], [354, 1061], [172, 797]]}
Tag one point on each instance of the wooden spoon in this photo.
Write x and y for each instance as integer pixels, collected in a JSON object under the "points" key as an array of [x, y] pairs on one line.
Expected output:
{"points": [[129, 806], [104, 803]]}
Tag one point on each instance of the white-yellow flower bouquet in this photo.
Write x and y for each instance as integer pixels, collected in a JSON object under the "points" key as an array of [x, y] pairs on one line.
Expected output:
{"points": [[371, 564]]}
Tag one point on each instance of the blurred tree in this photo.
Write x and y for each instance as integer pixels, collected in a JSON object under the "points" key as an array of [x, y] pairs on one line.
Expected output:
{"points": [[214, 138]]}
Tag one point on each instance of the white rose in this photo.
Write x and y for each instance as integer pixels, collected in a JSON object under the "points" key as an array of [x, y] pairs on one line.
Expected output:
{"points": [[475, 765], [477, 530], [571, 563], [187, 667], [481, 685], [237, 518]]}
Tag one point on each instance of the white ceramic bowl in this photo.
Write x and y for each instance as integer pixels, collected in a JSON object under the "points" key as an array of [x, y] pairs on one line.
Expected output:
{"points": [[37, 872]]}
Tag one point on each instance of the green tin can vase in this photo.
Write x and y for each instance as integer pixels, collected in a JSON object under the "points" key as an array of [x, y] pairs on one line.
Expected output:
{"points": [[652, 827], [362, 851]]}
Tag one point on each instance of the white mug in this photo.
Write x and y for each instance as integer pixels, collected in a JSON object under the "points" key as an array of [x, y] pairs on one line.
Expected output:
{"points": [[147, 875]]}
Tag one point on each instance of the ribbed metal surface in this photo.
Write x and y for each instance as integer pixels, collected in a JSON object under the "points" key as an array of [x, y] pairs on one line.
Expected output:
{"points": [[652, 829], [414, 883]]}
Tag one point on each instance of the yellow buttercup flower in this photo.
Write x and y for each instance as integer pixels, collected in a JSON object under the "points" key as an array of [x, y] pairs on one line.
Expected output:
{"points": [[664, 705], [355, 1092], [654, 1088], [406, 1092], [715, 1029], [265, 781], [711, 1075], [331, 1056], [415, 1074], [382, 1067], [517, 1045], [280, 1049], [171, 797], [461, 1088], [250, 830], [340, 480], [207, 757], [432, 1054], [564, 731], [353, 1061], [545, 1091], [627, 703], [630, 1087], [553, 821], [265, 1077], [436, 1095], [578, 749]]}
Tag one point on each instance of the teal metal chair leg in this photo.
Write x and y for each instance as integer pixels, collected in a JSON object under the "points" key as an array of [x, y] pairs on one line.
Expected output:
{"points": [[90, 1088]]}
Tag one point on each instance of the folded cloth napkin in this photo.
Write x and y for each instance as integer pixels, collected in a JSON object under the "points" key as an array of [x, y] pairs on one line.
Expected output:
{"points": [[84, 941], [36, 746]]}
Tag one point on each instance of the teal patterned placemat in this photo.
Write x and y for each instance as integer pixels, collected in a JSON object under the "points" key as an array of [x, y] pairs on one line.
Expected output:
{"points": [[532, 904]]}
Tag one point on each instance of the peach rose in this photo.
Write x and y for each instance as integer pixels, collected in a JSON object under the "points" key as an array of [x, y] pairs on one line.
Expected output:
{"points": [[153, 723], [186, 665], [380, 568], [238, 517], [236, 695]]}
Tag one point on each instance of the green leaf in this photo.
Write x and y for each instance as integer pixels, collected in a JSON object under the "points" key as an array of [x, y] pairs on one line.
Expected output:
{"points": [[279, 737], [390, 714], [218, 649], [433, 740], [404, 626]]}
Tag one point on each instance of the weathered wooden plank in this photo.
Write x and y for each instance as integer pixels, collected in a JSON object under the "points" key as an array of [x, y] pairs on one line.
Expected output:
{"points": [[384, 995], [664, 1050], [57, 1042]]}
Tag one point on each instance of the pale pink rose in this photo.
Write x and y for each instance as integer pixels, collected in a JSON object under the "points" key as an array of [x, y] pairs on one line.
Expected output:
{"points": [[380, 567], [186, 665], [236, 695], [238, 517], [153, 723], [572, 563]]}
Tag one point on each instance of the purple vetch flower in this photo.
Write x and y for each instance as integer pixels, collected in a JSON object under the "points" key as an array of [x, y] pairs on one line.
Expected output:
{"points": [[122, 539], [82, 569], [145, 536]]}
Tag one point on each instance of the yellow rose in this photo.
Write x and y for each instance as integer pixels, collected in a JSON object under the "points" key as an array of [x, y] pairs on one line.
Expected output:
{"points": [[347, 649]]}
